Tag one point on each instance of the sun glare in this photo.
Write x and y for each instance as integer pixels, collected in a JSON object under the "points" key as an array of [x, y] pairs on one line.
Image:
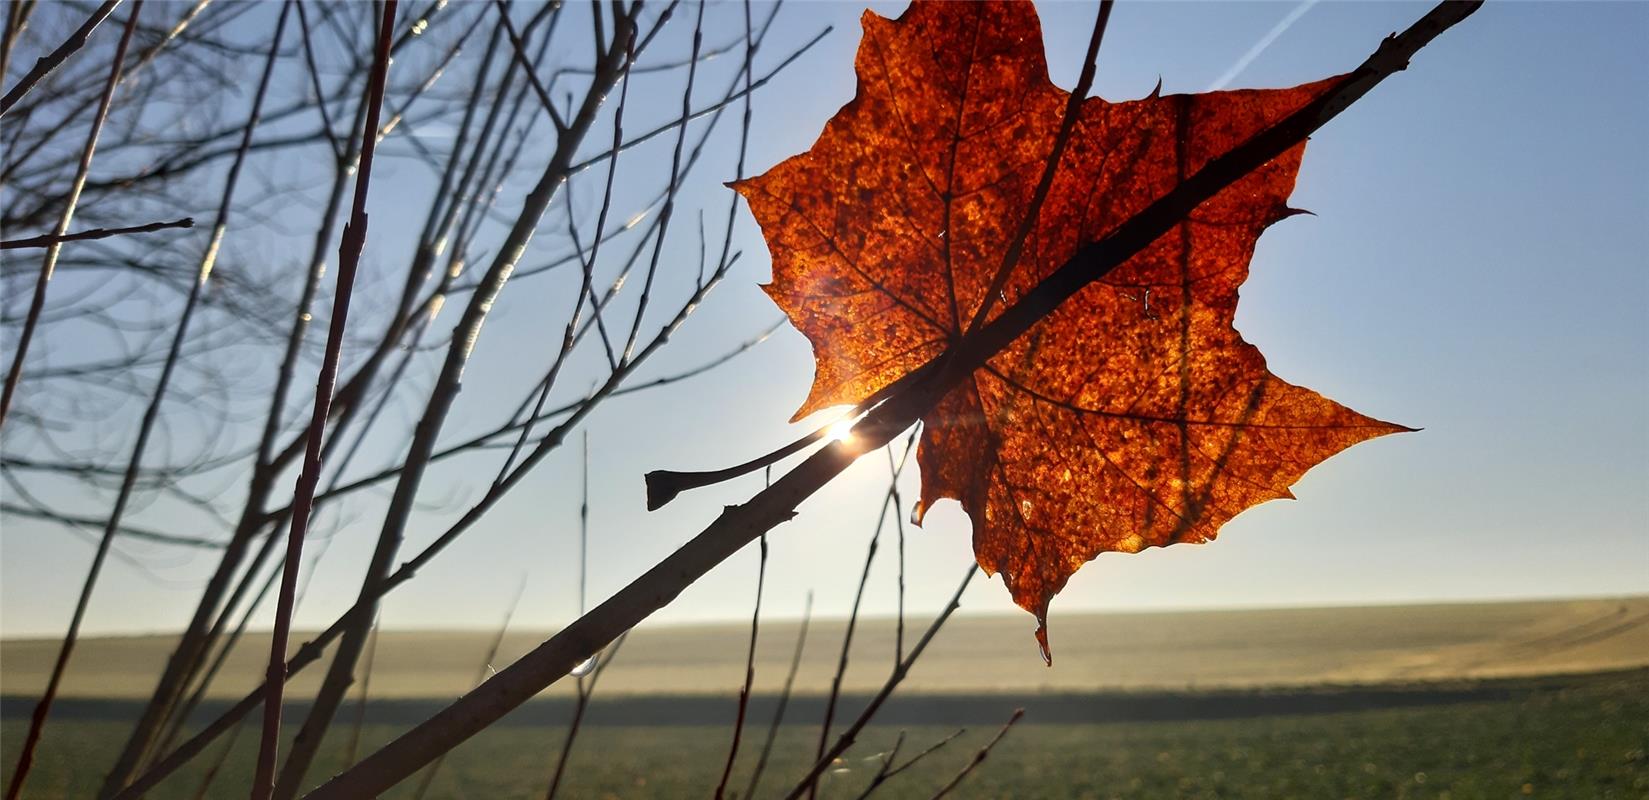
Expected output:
{"points": [[842, 431]]}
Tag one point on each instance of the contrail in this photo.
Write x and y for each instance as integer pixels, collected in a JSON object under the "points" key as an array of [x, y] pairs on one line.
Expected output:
{"points": [[1260, 46]]}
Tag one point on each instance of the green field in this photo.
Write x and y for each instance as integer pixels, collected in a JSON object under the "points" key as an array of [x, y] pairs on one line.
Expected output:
{"points": [[1494, 700], [1580, 737]]}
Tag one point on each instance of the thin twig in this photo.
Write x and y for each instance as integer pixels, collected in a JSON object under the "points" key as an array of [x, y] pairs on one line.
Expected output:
{"points": [[899, 521], [1033, 211], [707, 110], [888, 772], [443, 395], [349, 256], [896, 677], [583, 689], [311, 651], [37, 722], [56, 57], [749, 658], [569, 335], [204, 790], [366, 692], [586, 688], [668, 211], [784, 700], [17, 19], [145, 534], [520, 49], [47, 240], [858, 597], [979, 757], [38, 301], [481, 674], [315, 83]]}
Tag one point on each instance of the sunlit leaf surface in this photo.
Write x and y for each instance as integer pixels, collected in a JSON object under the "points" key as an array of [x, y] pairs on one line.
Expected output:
{"points": [[1135, 415]]}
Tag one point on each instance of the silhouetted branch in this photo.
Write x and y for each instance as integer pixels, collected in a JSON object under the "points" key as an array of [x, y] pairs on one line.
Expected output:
{"points": [[38, 300], [17, 18], [750, 654], [979, 757], [349, 257], [858, 596], [887, 771], [365, 694], [124, 530], [47, 240], [586, 688], [480, 675], [519, 48], [42, 709], [55, 58], [784, 700], [896, 677]]}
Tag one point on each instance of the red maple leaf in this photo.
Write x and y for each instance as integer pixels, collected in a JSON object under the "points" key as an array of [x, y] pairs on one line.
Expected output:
{"points": [[1134, 415]]}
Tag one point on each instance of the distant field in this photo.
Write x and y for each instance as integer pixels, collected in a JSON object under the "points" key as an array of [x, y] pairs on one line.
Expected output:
{"points": [[1581, 737], [1174, 650], [1545, 699]]}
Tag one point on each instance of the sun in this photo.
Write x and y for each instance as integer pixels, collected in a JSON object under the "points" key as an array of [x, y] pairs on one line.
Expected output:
{"points": [[841, 431]]}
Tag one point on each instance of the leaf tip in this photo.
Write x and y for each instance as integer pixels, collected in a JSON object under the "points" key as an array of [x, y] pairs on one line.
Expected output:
{"points": [[1397, 427]]}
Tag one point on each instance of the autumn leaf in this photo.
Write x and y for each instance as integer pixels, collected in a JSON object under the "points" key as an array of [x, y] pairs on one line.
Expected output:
{"points": [[1134, 415]]}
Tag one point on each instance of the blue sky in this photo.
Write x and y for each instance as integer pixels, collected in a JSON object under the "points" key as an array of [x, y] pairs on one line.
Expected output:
{"points": [[1476, 267]]}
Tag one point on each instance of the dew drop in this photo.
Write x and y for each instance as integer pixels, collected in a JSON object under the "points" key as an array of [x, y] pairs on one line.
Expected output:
{"points": [[589, 664], [1042, 641]]}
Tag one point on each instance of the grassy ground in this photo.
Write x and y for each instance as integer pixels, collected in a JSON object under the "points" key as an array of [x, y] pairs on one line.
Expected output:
{"points": [[1570, 738]]}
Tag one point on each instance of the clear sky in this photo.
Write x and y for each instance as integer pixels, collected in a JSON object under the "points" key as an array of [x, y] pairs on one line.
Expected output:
{"points": [[1476, 267]]}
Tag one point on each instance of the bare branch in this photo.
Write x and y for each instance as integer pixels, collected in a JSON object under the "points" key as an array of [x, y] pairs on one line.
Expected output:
{"points": [[887, 771], [784, 698], [896, 677], [519, 48], [38, 301], [47, 240], [124, 530], [858, 596], [979, 757], [349, 257], [55, 58]]}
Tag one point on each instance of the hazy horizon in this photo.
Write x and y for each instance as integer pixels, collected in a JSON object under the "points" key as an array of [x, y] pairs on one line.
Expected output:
{"points": [[916, 617], [1230, 648]]}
